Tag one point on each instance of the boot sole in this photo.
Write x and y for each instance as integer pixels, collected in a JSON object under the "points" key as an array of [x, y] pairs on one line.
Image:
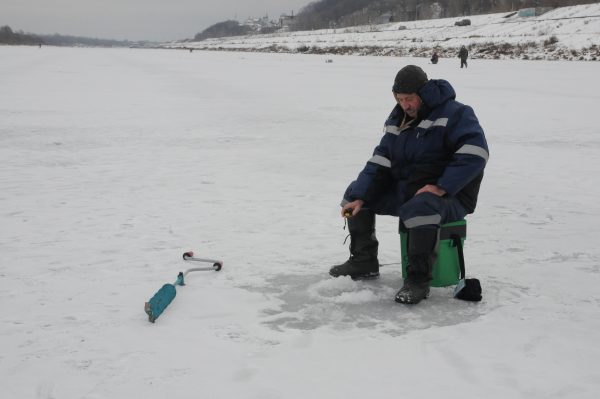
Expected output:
{"points": [[368, 276], [410, 302]]}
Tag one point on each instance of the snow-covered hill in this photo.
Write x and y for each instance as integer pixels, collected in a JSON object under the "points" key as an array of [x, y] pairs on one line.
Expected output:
{"points": [[570, 33]]}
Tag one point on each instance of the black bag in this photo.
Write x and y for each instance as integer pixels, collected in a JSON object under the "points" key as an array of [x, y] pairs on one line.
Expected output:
{"points": [[467, 289]]}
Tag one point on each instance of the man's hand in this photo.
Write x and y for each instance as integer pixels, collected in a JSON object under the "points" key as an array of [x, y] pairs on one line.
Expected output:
{"points": [[354, 206], [432, 188]]}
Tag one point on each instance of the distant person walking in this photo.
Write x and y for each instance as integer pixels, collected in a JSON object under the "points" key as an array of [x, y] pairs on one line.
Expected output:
{"points": [[434, 58], [463, 54]]}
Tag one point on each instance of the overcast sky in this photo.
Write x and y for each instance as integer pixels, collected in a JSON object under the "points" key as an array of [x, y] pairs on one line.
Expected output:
{"points": [[134, 19]]}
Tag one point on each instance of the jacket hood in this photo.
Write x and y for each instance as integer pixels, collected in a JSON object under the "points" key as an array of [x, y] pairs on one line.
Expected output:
{"points": [[436, 92]]}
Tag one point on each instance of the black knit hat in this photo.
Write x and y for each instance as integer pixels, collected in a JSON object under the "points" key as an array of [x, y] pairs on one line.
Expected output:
{"points": [[409, 79]]}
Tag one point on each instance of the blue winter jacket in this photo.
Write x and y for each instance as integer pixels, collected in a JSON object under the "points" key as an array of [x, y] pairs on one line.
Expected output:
{"points": [[445, 145]]}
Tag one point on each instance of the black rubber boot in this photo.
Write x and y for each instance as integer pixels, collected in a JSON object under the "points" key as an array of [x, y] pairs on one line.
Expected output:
{"points": [[363, 263], [422, 243]]}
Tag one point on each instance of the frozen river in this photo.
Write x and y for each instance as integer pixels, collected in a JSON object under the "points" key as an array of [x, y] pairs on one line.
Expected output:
{"points": [[113, 162]]}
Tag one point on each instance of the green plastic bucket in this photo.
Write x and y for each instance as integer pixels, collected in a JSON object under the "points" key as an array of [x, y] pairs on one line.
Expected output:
{"points": [[446, 270]]}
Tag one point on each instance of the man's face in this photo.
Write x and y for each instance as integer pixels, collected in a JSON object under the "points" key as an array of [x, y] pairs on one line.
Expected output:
{"points": [[410, 103]]}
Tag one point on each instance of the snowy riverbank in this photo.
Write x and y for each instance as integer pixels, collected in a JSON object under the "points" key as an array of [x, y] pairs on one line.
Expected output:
{"points": [[567, 33]]}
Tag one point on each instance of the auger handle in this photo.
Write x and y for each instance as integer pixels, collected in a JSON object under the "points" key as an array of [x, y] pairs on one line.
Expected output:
{"points": [[189, 256]]}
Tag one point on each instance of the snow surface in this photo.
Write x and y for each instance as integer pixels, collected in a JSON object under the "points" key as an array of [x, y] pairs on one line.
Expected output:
{"points": [[562, 33], [116, 161]]}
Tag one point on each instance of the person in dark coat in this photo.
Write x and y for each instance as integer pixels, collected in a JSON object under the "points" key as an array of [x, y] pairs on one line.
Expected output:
{"points": [[463, 54], [434, 58], [426, 170]]}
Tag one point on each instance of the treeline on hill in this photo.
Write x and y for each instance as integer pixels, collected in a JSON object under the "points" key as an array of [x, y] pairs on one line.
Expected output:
{"points": [[325, 14], [60, 40], [342, 13], [8, 36], [223, 29]]}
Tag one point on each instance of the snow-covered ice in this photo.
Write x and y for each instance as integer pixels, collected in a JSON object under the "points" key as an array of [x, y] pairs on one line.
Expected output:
{"points": [[113, 162]]}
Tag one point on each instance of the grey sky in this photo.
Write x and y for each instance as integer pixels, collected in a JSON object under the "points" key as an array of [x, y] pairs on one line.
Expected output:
{"points": [[134, 19]]}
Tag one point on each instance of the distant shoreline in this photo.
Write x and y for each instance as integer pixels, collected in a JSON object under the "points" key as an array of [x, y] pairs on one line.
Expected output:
{"points": [[528, 51]]}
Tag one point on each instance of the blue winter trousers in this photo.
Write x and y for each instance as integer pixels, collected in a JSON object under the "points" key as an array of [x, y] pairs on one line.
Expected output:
{"points": [[425, 210]]}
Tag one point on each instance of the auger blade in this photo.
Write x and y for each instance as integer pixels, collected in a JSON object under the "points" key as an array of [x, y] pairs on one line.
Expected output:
{"points": [[159, 302]]}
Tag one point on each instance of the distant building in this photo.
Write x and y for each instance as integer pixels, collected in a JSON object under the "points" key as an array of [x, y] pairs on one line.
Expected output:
{"points": [[260, 24], [286, 21]]}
